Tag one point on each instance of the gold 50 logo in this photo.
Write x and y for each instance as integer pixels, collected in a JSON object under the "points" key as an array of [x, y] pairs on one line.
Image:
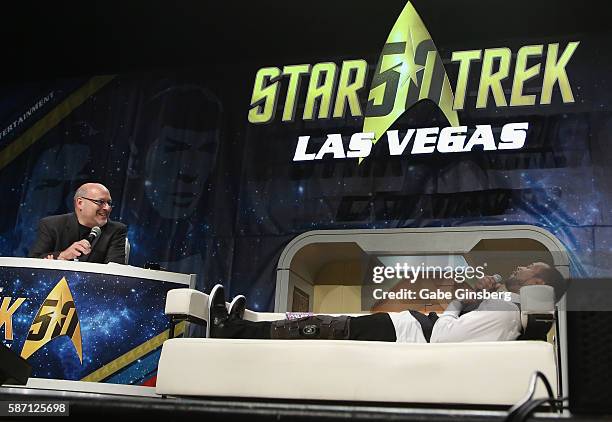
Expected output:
{"points": [[409, 70], [56, 317]]}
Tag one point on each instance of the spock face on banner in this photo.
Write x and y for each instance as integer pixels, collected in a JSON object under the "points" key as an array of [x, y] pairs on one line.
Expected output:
{"points": [[178, 165]]}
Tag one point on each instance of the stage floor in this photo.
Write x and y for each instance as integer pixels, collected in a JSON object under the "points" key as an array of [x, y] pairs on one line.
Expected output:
{"points": [[178, 408]]}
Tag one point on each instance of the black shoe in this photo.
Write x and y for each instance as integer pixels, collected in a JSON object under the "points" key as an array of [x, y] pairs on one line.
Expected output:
{"points": [[217, 312], [237, 307]]}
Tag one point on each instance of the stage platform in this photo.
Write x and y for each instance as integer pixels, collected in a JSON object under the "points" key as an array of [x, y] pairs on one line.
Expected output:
{"points": [[84, 404]]}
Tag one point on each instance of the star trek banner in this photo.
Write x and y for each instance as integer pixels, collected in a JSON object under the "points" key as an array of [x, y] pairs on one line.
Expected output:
{"points": [[422, 118]]}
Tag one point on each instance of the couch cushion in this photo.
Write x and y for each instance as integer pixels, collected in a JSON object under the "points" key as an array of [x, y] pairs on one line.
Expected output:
{"points": [[495, 373]]}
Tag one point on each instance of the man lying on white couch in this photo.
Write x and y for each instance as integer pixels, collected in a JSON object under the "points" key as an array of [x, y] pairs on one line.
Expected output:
{"points": [[462, 321]]}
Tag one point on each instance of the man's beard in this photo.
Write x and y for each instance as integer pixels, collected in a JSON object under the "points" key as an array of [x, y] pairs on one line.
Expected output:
{"points": [[513, 284]]}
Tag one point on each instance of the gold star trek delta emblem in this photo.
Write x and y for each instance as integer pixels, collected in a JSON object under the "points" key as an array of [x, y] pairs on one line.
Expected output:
{"points": [[56, 317], [409, 69]]}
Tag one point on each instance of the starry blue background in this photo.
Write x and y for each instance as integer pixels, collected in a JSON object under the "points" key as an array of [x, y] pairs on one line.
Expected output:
{"points": [[116, 314], [239, 199]]}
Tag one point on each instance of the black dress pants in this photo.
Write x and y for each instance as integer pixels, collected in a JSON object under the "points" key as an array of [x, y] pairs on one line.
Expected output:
{"points": [[374, 327]]}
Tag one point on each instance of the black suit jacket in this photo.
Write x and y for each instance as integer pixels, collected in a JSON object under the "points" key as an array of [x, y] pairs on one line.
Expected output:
{"points": [[57, 232]]}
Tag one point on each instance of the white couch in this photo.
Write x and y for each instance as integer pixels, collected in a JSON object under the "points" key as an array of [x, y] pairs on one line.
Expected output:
{"points": [[491, 373]]}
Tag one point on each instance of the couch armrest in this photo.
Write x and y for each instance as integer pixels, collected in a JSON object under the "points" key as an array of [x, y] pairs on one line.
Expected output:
{"points": [[186, 304]]}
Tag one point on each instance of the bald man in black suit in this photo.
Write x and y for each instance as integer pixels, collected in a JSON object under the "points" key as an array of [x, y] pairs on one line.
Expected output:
{"points": [[64, 236]]}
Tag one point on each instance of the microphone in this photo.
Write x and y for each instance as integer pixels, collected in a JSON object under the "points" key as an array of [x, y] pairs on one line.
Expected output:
{"points": [[95, 232], [499, 280]]}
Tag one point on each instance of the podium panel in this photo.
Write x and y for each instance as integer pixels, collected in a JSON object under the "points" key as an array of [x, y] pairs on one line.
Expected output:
{"points": [[86, 322]]}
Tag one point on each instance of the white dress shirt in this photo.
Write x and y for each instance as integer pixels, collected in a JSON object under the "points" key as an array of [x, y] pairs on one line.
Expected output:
{"points": [[493, 320]]}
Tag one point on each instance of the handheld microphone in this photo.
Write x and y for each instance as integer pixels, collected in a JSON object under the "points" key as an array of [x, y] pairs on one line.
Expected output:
{"points": [[500, 281], [95, 232]]}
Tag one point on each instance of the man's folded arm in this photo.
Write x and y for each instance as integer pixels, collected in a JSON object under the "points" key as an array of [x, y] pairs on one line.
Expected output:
{"points": [[479, 325], [116, 250], [43, 246]]}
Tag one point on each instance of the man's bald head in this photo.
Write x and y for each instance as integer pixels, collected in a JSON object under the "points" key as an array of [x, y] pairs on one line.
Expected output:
{"points": [[86, 189], [91, 204]]}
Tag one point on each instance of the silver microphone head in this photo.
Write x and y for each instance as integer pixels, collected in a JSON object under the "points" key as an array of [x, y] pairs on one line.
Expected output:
{"points": [[95, 231], [498, 278]]}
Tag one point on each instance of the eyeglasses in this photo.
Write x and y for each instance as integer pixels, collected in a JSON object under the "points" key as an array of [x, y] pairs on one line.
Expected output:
{"points": [[100, 202]]}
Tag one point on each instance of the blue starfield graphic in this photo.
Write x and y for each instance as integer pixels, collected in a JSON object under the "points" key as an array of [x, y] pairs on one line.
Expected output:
{"points": [[116, 314]]}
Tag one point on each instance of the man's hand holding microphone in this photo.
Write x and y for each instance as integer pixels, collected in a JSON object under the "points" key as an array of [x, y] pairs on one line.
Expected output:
{"points": [[490, 283], [82, 247], [79, 248]]}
